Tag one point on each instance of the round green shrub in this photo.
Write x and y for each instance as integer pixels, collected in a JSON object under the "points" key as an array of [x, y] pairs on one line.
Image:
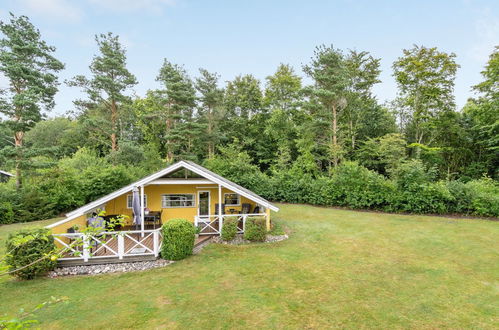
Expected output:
{"points": [[229, 229], [255, 230], [27, 246], [178, 239]]}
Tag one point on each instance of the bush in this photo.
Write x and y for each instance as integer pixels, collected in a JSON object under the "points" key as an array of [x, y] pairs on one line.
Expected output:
{"points": [[178, 239], [28, 246], [255, 230], [6, 213], [355, 186], [229, 229], [484, 199]]}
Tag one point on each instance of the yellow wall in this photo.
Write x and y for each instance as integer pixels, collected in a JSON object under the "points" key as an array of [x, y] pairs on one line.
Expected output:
{"points": [[118, 205], [63, 228]]}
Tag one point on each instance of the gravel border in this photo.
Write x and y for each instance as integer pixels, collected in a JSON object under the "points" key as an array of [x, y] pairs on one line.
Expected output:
{"points": [[122, 267], [239, 239]]}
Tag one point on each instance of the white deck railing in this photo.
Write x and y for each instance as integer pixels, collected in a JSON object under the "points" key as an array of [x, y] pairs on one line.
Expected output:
{"points": [[115, 244], [213, 224]]}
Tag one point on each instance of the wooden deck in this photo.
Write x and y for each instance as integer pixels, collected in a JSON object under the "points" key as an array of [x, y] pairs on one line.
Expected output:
{"points": [[105, 251]]}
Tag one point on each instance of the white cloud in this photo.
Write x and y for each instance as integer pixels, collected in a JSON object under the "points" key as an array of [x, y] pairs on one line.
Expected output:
{"points": [[487, 36], [58, 9], [133, 5]]}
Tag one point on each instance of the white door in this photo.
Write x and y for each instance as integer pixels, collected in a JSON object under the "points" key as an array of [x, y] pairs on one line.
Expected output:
{"points": [[203, 203]]}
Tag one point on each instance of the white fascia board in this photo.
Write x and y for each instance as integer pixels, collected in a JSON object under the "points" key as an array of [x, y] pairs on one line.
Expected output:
{"points": [[180, 181], [231, 187]]}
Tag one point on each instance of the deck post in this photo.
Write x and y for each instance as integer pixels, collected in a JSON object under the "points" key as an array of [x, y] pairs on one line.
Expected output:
{"points": [[220, 209], [155, 240], [121, 246], [267, 218], [142, 209], [86, 248]]}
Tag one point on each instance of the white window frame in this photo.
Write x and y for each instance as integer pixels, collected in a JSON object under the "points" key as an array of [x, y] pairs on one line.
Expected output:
{"points": [[129, 198], [238, 199], [164, 206]]}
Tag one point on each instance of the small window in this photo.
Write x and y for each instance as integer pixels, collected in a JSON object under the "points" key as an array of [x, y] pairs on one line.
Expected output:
{"points": [[177, 200], [129, 199], [232, 199]]}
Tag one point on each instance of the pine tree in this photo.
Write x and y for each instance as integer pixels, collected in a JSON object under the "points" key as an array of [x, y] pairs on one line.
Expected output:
{"points": [[109, 82], [210, 110], [330, 73], [27, 62], [179, 98]]}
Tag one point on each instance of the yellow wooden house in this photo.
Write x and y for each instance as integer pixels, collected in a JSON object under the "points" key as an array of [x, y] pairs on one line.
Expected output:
{"points": [[182, 190]]}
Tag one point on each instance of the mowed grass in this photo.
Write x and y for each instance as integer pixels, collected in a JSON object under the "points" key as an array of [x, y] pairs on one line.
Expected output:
{"points": [[338, 269]]}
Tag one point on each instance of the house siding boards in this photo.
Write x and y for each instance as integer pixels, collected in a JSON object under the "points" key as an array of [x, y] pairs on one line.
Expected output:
{"points": [[154, 193]]}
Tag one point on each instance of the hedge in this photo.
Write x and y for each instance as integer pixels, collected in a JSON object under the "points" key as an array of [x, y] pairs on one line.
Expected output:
{"points": [[411, 188], [27, 246], [178, 239]]}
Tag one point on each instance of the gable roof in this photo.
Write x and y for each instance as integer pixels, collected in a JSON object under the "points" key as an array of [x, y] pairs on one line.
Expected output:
{"points": [[6, 173], [191, 166]]}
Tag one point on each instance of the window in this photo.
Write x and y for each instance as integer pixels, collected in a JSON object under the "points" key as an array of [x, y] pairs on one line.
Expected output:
{"points": [[177, 200], [129, 199], [231, 199]]}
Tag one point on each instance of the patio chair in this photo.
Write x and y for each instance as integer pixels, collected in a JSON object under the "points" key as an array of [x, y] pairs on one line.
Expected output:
{"points": [[245, 208], [216, 208], [256, 209]]}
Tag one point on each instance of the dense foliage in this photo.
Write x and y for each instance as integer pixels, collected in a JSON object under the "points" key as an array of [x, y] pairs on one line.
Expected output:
{"points": [[29, 251], [178, 239], [229, 229], [255, 230], [328, 143]]}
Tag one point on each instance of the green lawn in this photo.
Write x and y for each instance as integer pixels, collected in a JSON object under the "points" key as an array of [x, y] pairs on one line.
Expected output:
{"points": [[339, 269]]}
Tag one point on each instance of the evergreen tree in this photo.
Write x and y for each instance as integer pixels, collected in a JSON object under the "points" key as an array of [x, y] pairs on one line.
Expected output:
{"points": [[109, 82], [29, 66], [210, 110], [179, 98], [330, 73]]}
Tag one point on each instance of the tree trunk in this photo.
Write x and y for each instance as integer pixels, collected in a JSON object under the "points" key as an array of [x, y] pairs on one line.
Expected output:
{"points": [[211, 146], [352, 135], [114, 117], [335, 138], [169, 152], [18, 140]]}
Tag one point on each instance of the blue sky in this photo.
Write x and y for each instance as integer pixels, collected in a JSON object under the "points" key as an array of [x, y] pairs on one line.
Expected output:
{"points": [[239, 37]]}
